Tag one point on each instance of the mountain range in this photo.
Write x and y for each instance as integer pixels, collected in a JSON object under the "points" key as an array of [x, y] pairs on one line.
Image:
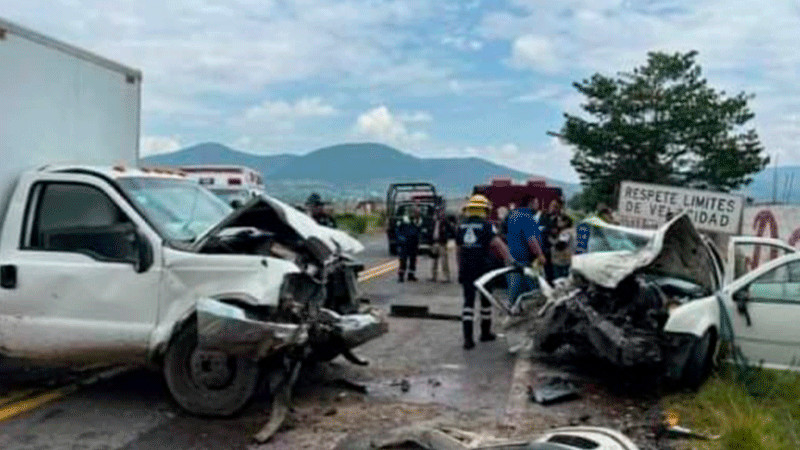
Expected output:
{"points": [[364, 170], [351, 170]]}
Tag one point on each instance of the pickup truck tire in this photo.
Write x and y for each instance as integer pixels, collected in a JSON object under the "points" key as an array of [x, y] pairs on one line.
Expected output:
{"points": [[700, 361], [208, 383]]}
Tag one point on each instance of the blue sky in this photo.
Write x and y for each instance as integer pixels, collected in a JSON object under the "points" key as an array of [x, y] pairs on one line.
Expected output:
{"points": [[435, 78]]}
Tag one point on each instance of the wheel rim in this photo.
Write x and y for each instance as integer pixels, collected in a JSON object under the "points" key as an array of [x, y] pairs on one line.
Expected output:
{"points": [[212, 370]]}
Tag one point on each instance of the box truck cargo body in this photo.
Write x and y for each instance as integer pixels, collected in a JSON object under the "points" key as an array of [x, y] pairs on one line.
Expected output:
{"points": [[62, 104]]}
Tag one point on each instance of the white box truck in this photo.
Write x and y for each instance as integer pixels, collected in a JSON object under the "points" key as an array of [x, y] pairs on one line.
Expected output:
{"points": [[104, 262], [61, 104]]}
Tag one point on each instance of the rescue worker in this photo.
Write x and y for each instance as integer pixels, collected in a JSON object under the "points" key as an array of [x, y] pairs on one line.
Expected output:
{"points": [[408, 244], [477, 241], [317, 211], [442, 233]]}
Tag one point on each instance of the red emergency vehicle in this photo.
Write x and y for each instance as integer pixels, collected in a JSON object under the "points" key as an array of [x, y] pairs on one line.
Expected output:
{"points": [[502, 192]]}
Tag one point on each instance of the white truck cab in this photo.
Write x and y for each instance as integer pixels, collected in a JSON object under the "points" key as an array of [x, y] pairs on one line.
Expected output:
{"points": [[117, 265], [102, 262]]}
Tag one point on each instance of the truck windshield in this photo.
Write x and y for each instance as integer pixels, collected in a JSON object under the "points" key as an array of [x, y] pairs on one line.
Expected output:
{"points": [[181, 209]]}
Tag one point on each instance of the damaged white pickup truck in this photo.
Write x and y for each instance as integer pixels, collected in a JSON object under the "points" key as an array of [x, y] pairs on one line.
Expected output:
{"points": [[664, 298], [119, 265]]}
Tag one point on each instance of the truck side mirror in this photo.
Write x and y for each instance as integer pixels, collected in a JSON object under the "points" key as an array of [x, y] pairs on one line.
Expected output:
{"points": [[144, 253]]}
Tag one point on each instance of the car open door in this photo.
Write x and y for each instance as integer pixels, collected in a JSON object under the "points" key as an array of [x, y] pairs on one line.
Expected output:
{"points": [[764, 307], [747, 253]]}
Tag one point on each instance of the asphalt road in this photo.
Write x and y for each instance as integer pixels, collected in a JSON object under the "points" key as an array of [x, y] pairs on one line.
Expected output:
{"points": [[418, 373]]}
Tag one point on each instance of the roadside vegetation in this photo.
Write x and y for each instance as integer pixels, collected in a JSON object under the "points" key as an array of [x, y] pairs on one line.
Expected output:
{"points": [[360, 224], [760, 410]]}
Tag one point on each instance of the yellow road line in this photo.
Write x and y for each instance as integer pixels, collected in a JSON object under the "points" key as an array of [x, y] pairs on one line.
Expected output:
{"points": [[20, 403], [16, 396], [378, 268], [17, 408], [383, 270]]}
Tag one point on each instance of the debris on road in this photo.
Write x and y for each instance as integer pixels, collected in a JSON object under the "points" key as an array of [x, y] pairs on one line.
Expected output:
{"points": [[347, 384], [408, 311], [420, 312], [553, 390], [280, 405], [669, 426], [404, 384], [431, 438]]}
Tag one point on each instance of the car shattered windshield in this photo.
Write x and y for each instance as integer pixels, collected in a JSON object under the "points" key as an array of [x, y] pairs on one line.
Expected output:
{"points": [[180, 209], [602, 239]]}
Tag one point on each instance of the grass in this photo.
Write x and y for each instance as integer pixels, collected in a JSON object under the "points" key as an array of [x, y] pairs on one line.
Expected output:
{"points": [[360, 224], [763, 413]]}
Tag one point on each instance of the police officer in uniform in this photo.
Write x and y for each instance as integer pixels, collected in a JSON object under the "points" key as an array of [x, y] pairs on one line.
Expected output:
{"points": [[408, 244], [477, 241], [317, 210]]}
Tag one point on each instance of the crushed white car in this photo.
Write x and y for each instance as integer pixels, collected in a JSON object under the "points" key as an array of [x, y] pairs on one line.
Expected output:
{"points": [[132, 266], [663, 298]]}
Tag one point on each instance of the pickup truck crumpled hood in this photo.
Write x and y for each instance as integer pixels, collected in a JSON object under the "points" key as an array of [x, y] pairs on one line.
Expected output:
{"points": [[675, 250], [298, 222]]}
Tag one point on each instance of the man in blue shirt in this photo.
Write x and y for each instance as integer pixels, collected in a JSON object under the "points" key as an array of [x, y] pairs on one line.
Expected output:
{"points": [[524, 244]]}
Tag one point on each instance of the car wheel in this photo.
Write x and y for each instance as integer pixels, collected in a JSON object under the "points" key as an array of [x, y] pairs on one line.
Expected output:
{"points": [[699, 364], [208, 383]]}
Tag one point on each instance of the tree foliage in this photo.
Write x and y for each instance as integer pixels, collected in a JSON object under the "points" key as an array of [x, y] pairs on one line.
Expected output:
{"points": [[662, 123]]}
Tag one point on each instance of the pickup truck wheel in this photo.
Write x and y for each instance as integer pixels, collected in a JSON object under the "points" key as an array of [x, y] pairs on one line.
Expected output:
{"points": [[208, 383], [700, 361]]}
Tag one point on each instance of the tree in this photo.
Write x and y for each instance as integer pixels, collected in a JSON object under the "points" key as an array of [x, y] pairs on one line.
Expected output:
{"points": [[663, 124]]}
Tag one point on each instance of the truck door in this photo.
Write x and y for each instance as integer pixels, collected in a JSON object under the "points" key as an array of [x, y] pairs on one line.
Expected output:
{"points": [[80, 292]]}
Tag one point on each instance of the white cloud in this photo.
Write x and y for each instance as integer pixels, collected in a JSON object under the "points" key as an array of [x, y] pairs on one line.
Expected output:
{"points": [[416, 117], [548, 93], [535, 52], [462, 43], [282, 110], [154, 145], [749, 45], [381, 124], [551, 160], [281, 115], [193, 48]]}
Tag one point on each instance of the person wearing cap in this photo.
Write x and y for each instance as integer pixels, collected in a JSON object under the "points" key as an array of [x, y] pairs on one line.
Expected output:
{"points": [[408, 244], [476, 243], [317, 210]]}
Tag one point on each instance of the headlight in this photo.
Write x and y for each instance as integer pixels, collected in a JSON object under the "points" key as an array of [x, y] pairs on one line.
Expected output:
{"points": [[299, 289]]}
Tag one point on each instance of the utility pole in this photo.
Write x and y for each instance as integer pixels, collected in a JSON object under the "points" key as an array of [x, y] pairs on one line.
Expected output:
{"points": [[775, 181]]}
